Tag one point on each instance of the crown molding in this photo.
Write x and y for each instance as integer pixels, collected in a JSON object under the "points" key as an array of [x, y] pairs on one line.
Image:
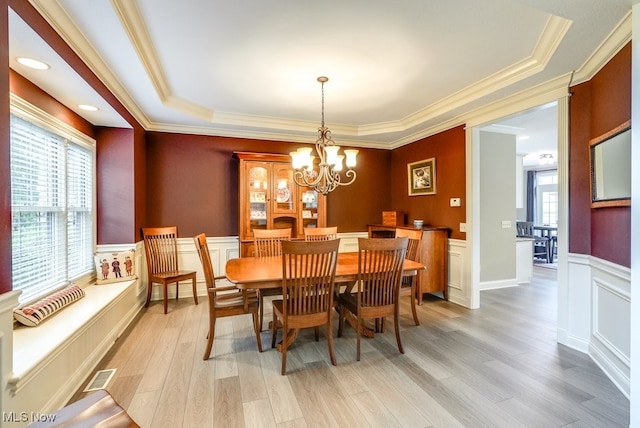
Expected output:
{"points": [[129, 14], [298, 131], [261, 135], [54, 14], [548, 42], [615, 40], [135, 27]]}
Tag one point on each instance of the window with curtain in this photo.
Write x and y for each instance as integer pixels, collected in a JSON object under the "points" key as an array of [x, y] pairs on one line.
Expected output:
{"points": [[547, 189], [52, 205]]}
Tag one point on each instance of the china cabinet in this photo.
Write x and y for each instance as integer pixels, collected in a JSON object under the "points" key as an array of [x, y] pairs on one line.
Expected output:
{"points": [[269, 198]]}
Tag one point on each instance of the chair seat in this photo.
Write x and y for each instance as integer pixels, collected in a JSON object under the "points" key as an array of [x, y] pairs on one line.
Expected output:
{"points": [[303, 320], [349, 300], [176, 275]]}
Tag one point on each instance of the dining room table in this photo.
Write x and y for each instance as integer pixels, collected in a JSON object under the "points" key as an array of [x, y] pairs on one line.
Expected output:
{"points": [[252, 273]]}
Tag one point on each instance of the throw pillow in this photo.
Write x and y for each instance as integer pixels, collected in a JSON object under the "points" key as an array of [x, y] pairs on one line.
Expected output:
{"points": [[114, 267], [33, 314]]}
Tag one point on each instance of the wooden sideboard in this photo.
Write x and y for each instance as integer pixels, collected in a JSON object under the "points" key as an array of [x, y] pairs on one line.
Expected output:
{"points": [[433, 254]]}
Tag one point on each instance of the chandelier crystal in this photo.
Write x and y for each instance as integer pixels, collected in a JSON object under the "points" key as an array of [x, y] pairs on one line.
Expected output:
{"points": [[327, 177]]}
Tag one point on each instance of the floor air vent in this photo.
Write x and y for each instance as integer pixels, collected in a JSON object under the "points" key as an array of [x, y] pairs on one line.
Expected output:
{"points": [[100, 380]]}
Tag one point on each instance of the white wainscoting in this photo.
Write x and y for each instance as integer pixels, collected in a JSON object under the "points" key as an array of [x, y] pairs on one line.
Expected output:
{"points": [[599, 313], [50, 362], [459, 290], [610, 345]]}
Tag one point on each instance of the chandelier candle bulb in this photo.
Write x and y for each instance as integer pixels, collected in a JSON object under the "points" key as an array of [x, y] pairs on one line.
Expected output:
{"points": [[351, 157], [332, 154]]}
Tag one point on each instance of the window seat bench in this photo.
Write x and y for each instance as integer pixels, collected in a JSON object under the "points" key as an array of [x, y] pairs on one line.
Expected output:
{"points": [[51, 361]]}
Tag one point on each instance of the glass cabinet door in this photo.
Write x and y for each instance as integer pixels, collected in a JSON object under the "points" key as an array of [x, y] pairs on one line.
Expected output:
{"points": [[309, 204], [258, 189], [285, 190]]}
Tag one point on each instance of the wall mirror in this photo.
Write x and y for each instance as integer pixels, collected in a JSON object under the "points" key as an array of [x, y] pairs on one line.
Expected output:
{"points": [[611, 168]]}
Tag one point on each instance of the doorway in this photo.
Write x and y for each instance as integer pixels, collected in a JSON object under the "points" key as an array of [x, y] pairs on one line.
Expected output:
{"points": [[556, 143]]}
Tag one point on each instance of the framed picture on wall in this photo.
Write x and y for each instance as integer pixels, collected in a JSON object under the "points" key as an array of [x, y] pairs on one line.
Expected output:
{"points": [[422, 177]]}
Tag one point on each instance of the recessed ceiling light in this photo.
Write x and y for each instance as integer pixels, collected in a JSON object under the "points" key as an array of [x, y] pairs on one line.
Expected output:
{"points": [[87, 107], [33, 63]]}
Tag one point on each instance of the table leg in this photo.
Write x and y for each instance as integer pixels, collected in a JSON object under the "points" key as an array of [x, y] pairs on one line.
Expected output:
{"points": [[289, 338], [353, 322]]}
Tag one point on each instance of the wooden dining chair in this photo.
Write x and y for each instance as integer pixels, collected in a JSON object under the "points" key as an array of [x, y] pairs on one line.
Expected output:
{"points": [[267, 243], [308, 275], [224, 301], [408, 284], [320, 233], [380, 262], [161, 251]]}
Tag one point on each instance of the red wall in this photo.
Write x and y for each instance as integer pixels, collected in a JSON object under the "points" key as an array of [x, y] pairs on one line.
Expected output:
{"points": [[193, 183], [596, 107], [114, 177], [448, 149]]}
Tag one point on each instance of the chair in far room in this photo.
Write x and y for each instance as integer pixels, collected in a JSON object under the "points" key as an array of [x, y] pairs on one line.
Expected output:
{"points": [[541, 244]]}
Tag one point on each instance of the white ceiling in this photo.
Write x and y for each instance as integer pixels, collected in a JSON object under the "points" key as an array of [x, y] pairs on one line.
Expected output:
{"points": [[398, 70]]}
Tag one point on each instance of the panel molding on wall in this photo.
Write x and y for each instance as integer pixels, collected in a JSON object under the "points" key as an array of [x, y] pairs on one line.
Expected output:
{"points": [[610, 344], [602, 330]]}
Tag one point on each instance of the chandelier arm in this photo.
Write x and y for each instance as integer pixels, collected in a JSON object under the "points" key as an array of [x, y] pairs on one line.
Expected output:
{"points": [[300, 178], [350, 173]]}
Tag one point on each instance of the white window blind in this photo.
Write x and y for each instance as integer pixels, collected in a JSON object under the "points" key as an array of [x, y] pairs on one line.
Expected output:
{"points": [[52, 187]]}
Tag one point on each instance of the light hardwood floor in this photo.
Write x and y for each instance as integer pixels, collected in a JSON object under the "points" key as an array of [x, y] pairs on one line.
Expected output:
{"points": [[498, 366]]}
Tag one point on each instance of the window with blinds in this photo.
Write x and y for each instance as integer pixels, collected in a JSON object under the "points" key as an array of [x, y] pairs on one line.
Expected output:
{"points": [[52, 207]]}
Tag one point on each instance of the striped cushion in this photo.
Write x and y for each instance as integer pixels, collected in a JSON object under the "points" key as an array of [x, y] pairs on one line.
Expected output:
{"points": [[31, 315]]}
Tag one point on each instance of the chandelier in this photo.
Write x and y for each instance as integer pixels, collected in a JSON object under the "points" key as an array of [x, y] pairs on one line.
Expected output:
{"points": [[327, 177], [546, 159]]}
